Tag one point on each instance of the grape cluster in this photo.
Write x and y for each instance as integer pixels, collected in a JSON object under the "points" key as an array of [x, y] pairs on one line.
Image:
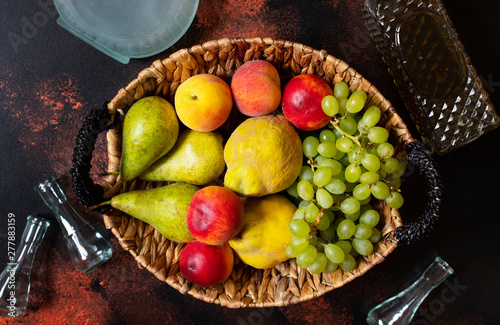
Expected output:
{"points": [[348, 163]]}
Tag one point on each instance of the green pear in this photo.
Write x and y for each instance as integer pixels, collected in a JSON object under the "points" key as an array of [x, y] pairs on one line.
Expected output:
{"points": [[164, 208], [150, 130], [196, 158]]}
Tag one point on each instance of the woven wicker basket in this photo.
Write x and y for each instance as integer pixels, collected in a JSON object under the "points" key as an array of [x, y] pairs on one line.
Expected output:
{"points": [[246, 287]]}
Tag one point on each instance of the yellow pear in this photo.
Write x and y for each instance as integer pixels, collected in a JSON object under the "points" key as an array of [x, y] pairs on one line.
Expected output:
{"points": [[150, 130], [196, 158]]}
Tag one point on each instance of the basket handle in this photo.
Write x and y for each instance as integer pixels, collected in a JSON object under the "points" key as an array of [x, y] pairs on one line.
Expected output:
{"points": [[419, 155], [98, 121]]}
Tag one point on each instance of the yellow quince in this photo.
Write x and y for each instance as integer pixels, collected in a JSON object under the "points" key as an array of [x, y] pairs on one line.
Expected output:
{"points": [[265, 235], [263, 156]]}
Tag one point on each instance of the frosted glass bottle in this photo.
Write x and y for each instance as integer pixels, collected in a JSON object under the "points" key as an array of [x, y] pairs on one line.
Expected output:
{"points": [[87, 247], [15, 280], [401, 308]]}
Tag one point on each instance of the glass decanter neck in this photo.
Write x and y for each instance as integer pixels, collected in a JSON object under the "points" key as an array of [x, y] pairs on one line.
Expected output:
{"points": [[32, 236], [51, 192]]}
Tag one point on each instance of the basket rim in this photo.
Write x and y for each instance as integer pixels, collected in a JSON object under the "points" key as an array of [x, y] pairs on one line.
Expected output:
{"points": [[159, 255]]}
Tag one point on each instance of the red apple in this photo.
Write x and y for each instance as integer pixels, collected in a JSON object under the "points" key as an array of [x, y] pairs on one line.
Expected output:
{"points": [[301, 102], [206, 265], [215, 215]]}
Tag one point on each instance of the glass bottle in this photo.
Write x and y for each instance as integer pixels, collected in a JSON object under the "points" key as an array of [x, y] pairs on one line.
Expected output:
{"points": [[87, 247], [401, 308], [432, 71], [15, 280]]}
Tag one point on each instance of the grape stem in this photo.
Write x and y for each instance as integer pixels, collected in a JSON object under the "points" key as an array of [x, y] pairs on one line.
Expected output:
{"points": [[310, 161], [318, 219], [335, 124], [340, 200], [391, 187]]}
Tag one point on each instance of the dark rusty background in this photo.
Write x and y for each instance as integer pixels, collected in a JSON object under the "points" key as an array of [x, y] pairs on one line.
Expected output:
{"points": [[50, 79]]}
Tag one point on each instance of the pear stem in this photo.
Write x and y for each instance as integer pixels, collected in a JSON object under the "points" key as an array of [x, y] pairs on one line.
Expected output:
{"points": [[100, 205]]}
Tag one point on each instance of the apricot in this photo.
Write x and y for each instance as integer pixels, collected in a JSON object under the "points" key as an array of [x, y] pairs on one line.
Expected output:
{"points": [[203, 102]]}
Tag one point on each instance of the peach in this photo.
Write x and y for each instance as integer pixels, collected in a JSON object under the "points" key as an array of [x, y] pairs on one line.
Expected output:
{"points": [[256, 88], [302, 98], [203, 102], [215, 215], [206, 265]]}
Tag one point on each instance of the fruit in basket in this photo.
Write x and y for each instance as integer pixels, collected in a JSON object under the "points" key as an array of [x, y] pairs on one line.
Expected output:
{"points": [[196, 158], [333, 69], [256, 88], [262, 241], [215, 215], [206, 265], [302, 97], [150, 130], [263, 156], [164, 208], [203, 102]]}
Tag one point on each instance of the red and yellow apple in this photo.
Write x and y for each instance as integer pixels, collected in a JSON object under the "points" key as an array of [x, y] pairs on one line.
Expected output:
{"points": [[301, 103], [215, 215], [256, 88], [206, 265], [203, 102]]}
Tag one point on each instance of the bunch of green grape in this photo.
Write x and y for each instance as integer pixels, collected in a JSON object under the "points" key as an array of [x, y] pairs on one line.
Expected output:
{"points": [[348, 164]]}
